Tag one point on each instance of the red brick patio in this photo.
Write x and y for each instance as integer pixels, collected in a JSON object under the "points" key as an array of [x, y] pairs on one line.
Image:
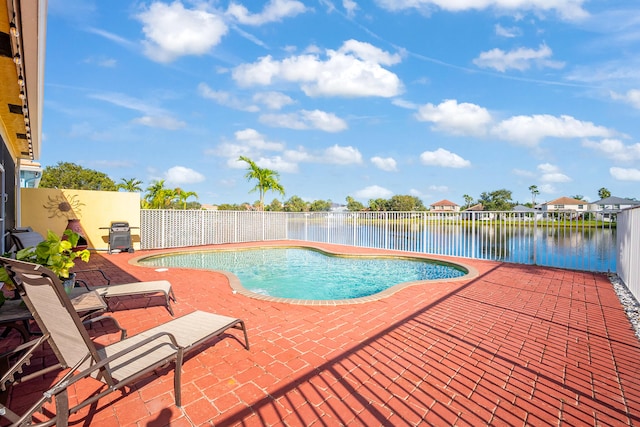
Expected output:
{"points": [[517, 345]]}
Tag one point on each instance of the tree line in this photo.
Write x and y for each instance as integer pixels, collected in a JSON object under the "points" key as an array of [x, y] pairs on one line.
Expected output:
{"points": [[157, 196]]}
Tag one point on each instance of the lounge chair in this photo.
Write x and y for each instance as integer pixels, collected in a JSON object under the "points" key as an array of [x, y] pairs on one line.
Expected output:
{"points": [[26, 237], [109, 291], [116, 365]]}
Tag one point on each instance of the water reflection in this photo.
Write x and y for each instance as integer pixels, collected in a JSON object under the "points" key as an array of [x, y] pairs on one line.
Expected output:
{"points": [[559, 245]]}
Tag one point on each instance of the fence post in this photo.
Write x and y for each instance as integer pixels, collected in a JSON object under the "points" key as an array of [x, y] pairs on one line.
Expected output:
{"points": [[535, 236], [473, 234]]}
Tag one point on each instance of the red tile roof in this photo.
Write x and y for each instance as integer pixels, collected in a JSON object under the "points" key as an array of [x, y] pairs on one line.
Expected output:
{"points": [[444, 202]]}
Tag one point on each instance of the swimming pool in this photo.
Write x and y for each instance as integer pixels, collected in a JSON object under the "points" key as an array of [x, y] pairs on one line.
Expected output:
{"points": [[310, 274]]}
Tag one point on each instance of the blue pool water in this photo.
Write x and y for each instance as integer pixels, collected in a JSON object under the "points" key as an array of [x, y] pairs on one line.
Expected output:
{"points": [[310, 274]]}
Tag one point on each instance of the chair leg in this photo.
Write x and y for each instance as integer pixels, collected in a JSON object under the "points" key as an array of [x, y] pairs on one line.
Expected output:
{"points": [[177, 378], [169, 304], [62, 409], [240, 325]]}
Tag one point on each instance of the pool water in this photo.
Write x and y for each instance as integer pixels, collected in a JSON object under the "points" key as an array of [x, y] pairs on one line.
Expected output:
{"points": [[310, 274]]}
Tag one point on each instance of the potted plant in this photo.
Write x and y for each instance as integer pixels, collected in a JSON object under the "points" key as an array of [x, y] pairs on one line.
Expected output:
{"points": [[56, 253]]}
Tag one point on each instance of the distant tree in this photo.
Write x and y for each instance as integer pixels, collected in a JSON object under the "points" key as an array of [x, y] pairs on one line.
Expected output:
{"points": [[353, 205], [266, 179], [75, 177], [295, 204], [603, 193], [131, 185], [275, 206], [578, 197], [468, 201], [404, 203], [378, 205], [533, 189], [499, 200], [320, 206], [230, 207], [157, 196]]}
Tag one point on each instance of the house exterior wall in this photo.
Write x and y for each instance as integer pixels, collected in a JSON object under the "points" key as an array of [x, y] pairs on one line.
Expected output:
{"points": [[50, 209], [566, 207], [443, 208]]}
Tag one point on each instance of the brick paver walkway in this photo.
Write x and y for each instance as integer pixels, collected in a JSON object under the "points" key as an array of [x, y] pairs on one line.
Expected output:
{"points": [[518, 345]]}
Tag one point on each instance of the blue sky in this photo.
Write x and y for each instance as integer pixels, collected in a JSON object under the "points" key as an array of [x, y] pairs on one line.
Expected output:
{"points": [[432, 98]]}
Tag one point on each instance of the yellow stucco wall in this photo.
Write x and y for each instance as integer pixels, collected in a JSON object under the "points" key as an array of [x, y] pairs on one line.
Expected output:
{"points": [[49, 209]]}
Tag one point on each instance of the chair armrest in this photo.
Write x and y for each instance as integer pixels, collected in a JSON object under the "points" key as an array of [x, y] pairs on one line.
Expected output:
{"points": [[70, 379], [123, 331], [23, 353], [93, 270]]}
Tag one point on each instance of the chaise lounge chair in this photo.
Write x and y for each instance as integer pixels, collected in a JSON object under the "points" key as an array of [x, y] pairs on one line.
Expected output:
{"points": [[116, 365], [26, 237]]}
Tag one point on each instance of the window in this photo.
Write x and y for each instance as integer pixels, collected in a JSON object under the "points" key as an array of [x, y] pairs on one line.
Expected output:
{"points": [[558, 206]]}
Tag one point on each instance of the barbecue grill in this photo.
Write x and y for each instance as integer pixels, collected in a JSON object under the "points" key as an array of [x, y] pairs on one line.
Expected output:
{"points": [[120, 237]]}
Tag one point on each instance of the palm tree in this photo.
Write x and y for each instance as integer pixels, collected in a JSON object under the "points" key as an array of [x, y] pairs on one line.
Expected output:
{"points": [[184, 195], [130, 185], [158, 197], [267, 179], [467, 201], [603, 193], [534, 192]]}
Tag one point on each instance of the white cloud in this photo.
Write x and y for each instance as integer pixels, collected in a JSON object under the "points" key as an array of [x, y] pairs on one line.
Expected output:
{"points": [[273, 11], [622, 174], [547, 189], [305, 120], [153, 116], [252, 144], [225, 99], [369, 53], [277, 163], [255, 139], [567, 9], [162, 122], [551, 173], [350, 6], [615, 149], [342, 155], [273, 100], [443, 158], [439, 188], [355, 70], [111, 36], [632, 97], [520, 59], [402, 103], [180, 175], [373, 192], [507, 32], [530, 130], [171, 31], [386, 164], [458, 119], [248, 142]]}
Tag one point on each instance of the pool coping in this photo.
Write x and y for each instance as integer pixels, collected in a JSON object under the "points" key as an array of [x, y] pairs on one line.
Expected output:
{"points": [[239, 289]]}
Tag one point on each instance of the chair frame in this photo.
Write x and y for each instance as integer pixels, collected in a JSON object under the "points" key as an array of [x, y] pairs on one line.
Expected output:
{"points": [[28, 276]]}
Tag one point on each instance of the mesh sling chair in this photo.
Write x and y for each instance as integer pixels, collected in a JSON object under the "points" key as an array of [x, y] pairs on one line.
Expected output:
{"points": [[25, 238], [116, 365]]}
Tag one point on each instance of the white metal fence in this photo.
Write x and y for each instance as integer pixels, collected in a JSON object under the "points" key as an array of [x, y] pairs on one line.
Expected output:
{"points": [[560, 239], [628, 253]]}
